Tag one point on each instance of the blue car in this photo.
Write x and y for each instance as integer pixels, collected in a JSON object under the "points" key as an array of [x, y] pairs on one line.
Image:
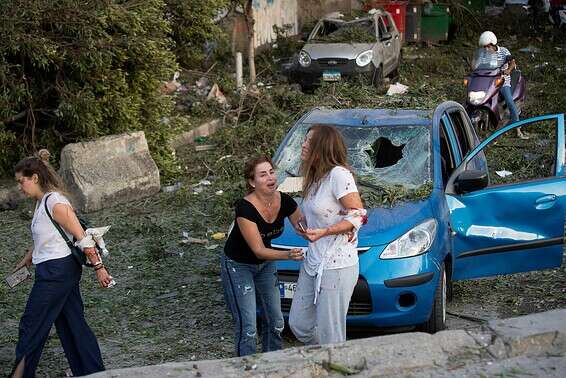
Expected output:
{"points": [[436, 212]]}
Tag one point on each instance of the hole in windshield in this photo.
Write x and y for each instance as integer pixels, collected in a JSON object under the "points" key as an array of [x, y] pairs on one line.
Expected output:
{"points": [[383, 153]]}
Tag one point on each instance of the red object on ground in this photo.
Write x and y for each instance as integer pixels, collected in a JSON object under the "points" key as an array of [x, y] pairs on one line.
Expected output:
{"points": [[398, 10]]}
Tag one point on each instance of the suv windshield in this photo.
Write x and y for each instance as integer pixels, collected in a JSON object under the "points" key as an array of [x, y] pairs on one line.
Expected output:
{"points": [[337, 31], [381, 157], [485, 59]]}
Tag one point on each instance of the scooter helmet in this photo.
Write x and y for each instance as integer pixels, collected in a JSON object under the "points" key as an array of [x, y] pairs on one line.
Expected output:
{"points": [[487, 38]]}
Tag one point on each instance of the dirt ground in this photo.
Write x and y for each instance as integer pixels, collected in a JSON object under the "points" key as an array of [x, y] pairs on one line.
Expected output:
{"points": [[168, 303]]}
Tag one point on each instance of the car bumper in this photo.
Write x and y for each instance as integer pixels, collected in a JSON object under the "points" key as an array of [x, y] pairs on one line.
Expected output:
{"points": [[313, 74], [389, 293]]}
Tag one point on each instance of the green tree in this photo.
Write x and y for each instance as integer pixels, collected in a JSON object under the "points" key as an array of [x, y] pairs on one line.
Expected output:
{"points": [[78, 69], [194, 28]]}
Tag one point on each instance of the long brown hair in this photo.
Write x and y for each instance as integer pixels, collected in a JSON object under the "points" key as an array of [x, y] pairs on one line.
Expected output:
{"points": [[48, 179], [249, 169], [327, 150]]}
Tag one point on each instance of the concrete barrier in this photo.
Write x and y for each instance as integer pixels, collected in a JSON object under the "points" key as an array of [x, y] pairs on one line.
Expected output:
{"points": [[203, 130], [536, 343], [108, 171]]}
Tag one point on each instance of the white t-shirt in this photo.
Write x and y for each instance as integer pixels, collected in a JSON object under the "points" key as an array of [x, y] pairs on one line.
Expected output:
{"points": [[323, 209], [48, 244]]}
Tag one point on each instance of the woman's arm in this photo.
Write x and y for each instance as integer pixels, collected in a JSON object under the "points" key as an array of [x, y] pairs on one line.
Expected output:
{"points": [[295, 218], [65, 216], [251, 234], [349, 201], [26, 261]]}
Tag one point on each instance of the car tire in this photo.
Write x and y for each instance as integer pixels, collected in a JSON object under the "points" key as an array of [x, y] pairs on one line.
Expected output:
{"points": [[437, 320], [377, 80]]}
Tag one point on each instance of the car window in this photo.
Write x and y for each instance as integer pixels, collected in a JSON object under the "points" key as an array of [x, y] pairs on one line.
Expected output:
{"points": [[382, 27], [381, 156], [389, 24], [337, 31], [447, 161], [511, 159], [459, 127]]}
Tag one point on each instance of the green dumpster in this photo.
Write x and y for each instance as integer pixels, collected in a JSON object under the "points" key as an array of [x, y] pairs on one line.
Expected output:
{"points": [[435, 22]]}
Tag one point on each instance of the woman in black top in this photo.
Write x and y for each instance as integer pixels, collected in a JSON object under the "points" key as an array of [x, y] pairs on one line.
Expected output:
{"points": [[248, 267]]}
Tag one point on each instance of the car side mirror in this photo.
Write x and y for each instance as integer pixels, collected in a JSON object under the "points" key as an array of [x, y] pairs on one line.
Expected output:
{"points": [[386, 36], [470, 180]]}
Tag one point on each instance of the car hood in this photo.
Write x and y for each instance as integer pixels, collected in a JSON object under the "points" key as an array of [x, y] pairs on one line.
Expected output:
{"points": [[384, 225], [336, 50]]}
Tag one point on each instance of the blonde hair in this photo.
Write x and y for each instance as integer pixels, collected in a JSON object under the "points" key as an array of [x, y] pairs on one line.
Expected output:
{"points": [[327, 150]]}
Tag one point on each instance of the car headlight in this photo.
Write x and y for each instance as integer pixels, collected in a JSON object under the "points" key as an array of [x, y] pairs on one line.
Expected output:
{"points": [[476, 98], [364, 58], [304, 59], [414, 242]]}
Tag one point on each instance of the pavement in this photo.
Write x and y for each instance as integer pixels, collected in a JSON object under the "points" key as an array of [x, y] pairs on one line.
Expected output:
{"points": [[532, 345]]}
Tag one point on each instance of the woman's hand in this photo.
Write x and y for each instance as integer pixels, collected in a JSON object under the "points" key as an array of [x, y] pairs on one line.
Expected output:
{"points": [[103, 277], [313, 234], [26, 261], [296, 254]]}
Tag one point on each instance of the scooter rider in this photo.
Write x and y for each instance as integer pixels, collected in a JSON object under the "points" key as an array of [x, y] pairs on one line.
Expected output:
{"points": [[488, 40]]}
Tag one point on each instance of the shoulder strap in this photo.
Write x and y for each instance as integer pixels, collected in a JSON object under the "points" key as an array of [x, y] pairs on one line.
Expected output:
{"points": [[63, 234]]}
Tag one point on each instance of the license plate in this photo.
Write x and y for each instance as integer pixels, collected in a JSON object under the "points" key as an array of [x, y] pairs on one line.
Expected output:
{"points": [[330, 75], [287, 289]]}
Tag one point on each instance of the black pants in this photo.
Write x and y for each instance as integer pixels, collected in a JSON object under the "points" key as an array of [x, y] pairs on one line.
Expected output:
{"points": [[56, 299]]}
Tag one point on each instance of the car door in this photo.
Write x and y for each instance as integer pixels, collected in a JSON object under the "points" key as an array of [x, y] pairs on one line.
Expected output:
{"points": [[510, 227], [395, 41], [385, 40]]}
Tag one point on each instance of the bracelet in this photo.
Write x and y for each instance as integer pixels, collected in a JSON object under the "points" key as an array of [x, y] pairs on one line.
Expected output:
{"points": [[99, 266]]}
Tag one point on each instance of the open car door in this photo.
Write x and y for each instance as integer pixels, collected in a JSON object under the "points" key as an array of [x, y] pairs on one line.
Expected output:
{"points": [[515, 226]]}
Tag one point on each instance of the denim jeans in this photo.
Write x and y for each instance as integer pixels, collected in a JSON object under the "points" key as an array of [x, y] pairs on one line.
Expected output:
{"points": [[508, 96], [56, 299], [245, 287]]}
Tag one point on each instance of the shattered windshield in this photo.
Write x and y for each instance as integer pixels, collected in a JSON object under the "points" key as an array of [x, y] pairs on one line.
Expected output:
{"points": [[485, 59], [393, 161], [357, 31]]}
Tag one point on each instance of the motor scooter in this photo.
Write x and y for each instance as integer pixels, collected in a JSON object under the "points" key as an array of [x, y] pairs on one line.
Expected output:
{"points": [[557, 15], [484, 102]]}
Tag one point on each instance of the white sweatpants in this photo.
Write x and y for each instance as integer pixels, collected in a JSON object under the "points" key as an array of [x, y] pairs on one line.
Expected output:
{"points": [[325, 321]]}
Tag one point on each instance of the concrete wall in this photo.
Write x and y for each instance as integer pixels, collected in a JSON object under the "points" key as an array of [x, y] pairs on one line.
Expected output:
{"points": [[273, 12]]}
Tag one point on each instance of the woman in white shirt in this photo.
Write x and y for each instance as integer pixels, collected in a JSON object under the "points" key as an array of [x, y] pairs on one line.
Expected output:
{"points": [[333, 211], [55, 297]]}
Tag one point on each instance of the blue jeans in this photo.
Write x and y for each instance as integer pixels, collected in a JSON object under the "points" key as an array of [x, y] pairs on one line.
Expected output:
{"points": [[56, 299], [508, 96], [245, 287]]}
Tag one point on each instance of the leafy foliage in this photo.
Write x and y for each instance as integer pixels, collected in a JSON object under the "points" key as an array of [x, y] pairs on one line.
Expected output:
{"points": [[196, 34], [73, 70]]}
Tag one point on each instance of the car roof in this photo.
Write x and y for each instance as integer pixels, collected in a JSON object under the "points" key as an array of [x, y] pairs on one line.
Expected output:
{"points": [[369, 117]]}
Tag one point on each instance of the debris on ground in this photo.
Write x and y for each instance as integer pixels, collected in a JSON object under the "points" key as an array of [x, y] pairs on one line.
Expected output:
{"points": [[172, 86], [218, 235], [216, 94], [530, 49], [172, 188], [397, 89], [503, 173]]}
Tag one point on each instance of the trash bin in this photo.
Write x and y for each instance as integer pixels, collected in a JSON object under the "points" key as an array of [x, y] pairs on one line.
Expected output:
{"points": [[397, 9], [435, 22], [413, 22]]}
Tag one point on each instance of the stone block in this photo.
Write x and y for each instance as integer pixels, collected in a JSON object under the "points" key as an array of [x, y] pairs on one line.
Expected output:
{"points": [[533, 334], [109, 171], [203, 130]]}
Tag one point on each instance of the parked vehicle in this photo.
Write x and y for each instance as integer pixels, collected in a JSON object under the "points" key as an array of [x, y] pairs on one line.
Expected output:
{"points": [[367, 48], [557, 13], [484, 104], [451, 225]]}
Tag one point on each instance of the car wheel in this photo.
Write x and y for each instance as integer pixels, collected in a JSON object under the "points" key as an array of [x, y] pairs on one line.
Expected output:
{"points": [[437, 320], [378, 77]]}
